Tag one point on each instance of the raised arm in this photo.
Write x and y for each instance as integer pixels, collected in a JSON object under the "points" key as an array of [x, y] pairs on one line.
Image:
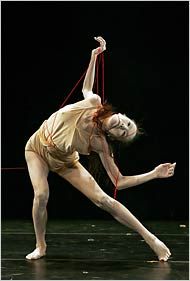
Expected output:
{"points": [[90, 74], [161, 171]]}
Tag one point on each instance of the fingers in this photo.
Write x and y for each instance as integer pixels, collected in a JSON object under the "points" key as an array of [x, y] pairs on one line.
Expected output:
{"points": [[166, 164], [169, 165], [167, 169], [170, 172], [171, 169], [101, 41], [172, 166]]}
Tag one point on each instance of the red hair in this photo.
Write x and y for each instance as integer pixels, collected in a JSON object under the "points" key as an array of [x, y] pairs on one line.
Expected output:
{"points": [[106, 110]]}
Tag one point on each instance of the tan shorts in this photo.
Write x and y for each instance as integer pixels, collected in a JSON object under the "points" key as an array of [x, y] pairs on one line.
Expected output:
{"points": [[56, 163]]}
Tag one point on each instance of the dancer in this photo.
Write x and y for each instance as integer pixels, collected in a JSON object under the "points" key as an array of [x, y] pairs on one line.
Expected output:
{"points": [[80, 128]]}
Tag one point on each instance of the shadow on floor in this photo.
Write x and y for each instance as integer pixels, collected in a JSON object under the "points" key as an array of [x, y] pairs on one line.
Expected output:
{"points": [[94, 250]]}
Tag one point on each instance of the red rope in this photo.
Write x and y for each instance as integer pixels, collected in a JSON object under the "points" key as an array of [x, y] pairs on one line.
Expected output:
{"points": [[64, 102], [117, 177], [97, 75], [102, 57], [71, 92], [14, 168], [116, 185]]}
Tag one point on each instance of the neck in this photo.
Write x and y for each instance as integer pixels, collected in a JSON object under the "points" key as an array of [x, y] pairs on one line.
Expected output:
{"points": [[105, 124]]}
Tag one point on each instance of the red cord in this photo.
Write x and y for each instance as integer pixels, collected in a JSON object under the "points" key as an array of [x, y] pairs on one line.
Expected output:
{"points": [[71, 92], [116, 185], [117, 177], [14, 168], [64, 102], [102, 57], [97, 75]]}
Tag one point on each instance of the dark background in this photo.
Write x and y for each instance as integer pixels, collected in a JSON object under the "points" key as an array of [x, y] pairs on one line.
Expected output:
{"points": [[46, 48]]}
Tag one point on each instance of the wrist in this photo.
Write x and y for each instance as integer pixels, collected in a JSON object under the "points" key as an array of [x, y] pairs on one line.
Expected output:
{"points": [[93, 57], [154, 174]]}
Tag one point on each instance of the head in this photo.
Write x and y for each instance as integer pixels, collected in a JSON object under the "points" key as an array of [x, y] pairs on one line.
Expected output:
{"points": [[120, 127], [117, 126]]}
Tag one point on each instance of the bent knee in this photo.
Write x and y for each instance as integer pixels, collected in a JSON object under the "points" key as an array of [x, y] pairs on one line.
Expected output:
{"points": [[41, 198]]}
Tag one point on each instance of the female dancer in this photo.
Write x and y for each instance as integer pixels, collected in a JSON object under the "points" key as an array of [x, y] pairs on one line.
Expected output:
{"points": [[80, 128]]}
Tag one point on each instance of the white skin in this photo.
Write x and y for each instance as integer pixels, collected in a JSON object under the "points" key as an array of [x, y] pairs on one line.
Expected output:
{"points": [[119, 127]]}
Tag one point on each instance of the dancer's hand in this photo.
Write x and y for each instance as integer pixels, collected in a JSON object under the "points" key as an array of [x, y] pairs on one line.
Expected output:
{"points": [[165, 170], [102, 47]]}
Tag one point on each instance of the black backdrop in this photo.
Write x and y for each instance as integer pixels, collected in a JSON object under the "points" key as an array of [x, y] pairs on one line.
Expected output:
{"points": [[45, 49]]}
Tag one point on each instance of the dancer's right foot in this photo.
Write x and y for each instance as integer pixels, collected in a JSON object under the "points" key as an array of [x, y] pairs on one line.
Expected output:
{"points": [[36, 254], [159, 248]]}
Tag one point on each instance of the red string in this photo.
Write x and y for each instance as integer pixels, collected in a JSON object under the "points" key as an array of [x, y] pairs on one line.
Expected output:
{"points": [[116, 184], [103, 100], [102, 57], [97, 74], [64, 102], [14, 168], [71, 92]]}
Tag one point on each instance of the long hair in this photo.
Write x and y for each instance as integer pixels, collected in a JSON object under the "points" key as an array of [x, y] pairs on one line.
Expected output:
{"points": [[95, 166], [106, 110]]}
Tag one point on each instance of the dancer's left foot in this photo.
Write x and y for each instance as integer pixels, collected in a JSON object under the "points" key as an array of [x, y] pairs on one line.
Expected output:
{"points": [[36, 254]]}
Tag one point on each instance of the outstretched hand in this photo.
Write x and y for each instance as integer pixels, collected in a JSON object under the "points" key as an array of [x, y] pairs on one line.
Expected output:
{"points": [[102, 46], [165, 170]]}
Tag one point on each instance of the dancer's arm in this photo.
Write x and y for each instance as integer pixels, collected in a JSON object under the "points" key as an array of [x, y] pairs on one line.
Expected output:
{"points": [[161, 171], [90, 74]]}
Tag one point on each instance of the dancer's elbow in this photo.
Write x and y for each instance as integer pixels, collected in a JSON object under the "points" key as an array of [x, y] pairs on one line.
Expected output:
{"points": [[126, 182]]}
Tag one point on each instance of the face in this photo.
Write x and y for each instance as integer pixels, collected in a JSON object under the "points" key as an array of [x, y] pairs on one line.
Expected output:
{"points": [[121, 127]]}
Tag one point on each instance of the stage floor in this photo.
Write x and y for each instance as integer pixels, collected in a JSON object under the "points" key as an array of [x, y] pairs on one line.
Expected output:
{"points": [[93, 250]]}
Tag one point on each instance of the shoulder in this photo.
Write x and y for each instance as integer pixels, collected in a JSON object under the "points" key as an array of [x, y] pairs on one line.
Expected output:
{"points": [[90, 101], [94, 99]]}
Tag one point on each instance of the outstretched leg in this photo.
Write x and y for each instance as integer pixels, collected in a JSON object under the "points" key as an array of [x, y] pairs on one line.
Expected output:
{"points": [[124, 216], [38, 172], [80, 178]]}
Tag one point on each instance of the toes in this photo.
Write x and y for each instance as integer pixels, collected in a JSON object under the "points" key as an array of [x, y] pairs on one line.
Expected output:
{"points": [[165, 258], [32, 257], [35, 255], [28, 257]]}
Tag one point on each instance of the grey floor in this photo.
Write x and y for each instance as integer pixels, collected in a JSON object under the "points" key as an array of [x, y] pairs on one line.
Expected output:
{"points": [[94, 250]]}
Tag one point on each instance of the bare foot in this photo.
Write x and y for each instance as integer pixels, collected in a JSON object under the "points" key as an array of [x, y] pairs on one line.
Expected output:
{"points": [[159, 248], [36, 254]]}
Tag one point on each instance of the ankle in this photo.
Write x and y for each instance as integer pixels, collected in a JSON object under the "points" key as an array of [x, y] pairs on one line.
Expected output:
{"points": [[41, 246], [149, 238]]}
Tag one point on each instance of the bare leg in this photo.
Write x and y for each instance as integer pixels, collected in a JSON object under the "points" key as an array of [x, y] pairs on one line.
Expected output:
{"points": [[83, 181], [38, 172], [124, 216]]}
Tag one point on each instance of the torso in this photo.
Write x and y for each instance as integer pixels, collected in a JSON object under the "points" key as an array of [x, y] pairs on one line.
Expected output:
{"points": [[72, 129]]}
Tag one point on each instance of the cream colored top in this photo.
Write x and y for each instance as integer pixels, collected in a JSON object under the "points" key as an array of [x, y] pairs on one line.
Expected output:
{"points": [[71, 128]]}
